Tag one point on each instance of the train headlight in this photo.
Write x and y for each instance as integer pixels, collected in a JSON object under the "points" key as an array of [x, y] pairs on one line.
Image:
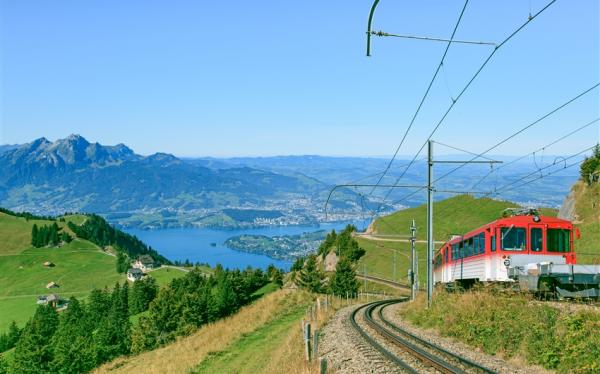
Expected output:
{"points": [[507, 262], [536, 218]]}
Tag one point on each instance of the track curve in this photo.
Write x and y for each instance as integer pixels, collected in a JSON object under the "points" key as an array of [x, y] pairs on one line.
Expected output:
{"points": [[428, 354]]}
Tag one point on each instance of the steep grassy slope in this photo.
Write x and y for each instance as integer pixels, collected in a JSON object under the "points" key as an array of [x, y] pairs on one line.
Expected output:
{"points": [[587, 210], [456, 215], [231, 344], [451, 216]]}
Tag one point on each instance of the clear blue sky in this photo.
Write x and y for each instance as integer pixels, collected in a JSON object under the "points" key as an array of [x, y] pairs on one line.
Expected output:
{"points": [[231, 78]]}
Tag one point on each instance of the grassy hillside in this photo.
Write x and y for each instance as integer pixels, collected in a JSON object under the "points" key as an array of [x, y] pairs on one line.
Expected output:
{"points": [[235, 344], [80, 267], [15, 232], [456, 215], [587, 208]]}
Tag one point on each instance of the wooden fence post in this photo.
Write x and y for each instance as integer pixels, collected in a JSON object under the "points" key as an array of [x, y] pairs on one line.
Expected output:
{"points": [[315, 347], [307, 342], [323, 366]]}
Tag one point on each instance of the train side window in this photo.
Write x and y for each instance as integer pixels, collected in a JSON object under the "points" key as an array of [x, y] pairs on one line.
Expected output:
{"points": [[481, 243], [536, 239], [493, 243], [558, 240], [513, 238], [476, 245]]}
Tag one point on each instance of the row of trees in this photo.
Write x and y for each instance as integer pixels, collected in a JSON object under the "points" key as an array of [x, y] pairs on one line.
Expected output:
{"points": [[48, 235], [311, 278], [26, 215], [343, 244], [82, 337], [307, 273], [100, 232], [194, 300], [90, 333]]}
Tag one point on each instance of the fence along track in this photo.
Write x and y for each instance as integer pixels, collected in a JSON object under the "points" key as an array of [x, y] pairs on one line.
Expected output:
{"points": [[425, 356]]}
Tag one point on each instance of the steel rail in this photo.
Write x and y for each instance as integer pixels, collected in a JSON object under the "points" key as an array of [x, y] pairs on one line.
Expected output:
{"points": [[422, 355], [432, 346], [389, 355]]}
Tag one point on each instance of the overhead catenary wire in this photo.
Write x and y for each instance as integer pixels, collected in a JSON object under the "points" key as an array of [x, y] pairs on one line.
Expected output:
{"points": [[414, 117], [522, 129], [538, 178], [537, 150], [466, 87], [511, 136], [565, 159], [382, 33]]}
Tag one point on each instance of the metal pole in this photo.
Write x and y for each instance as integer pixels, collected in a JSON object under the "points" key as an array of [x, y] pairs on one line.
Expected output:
{"points": [[365, 275], [394, 276], [429, 223], [413, 261]]}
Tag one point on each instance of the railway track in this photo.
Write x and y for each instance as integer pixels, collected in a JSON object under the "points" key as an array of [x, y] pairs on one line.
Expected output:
{"points": [[409, 352]]}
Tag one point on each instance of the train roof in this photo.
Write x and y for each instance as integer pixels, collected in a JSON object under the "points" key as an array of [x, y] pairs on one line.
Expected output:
{"points": [[516, 220]]}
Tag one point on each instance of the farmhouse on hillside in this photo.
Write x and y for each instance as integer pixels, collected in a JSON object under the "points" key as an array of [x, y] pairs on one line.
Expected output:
{"points": [[134, 274], [52, 285], [144, 263]]}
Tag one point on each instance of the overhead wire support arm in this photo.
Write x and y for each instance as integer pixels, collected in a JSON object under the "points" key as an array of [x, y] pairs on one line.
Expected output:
{"points": [[371, 13], [428, 38], [414, 117], [466, 87]]}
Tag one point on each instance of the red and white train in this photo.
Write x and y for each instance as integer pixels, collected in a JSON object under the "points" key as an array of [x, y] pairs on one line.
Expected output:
{"points": [[487, 253]]}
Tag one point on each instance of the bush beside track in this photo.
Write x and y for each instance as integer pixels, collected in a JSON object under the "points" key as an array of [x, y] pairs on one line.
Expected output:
{"points": [[515, 326]]}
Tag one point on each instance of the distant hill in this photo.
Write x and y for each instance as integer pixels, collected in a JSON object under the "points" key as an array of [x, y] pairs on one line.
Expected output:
{"points": [[73, 174], [341, 170], [8, 147]]}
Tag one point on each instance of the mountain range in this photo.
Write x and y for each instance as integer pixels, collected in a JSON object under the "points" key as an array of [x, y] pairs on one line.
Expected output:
{"points": [[159, 190]]}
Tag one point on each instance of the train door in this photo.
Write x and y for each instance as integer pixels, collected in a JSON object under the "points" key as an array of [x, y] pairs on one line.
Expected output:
{"points": [[536, 239], [494, 257]]}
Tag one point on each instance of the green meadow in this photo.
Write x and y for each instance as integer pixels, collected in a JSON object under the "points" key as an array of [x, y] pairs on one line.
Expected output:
{"points": [[80, 266]]}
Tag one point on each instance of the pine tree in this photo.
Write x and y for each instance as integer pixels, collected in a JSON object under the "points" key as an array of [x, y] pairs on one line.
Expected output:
{"points": [[277, 278], [122, 262], [311, 277], [34, 236], [590, 165], [343, 281], [33, 352], [65, 237], [72, 343]]}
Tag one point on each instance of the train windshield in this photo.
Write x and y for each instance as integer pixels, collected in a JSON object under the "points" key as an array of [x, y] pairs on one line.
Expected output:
{"points": [[513, 238], [558, 240]]}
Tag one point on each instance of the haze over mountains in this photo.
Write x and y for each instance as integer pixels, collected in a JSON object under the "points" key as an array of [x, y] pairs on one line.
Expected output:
{"points": [[161, 190]]}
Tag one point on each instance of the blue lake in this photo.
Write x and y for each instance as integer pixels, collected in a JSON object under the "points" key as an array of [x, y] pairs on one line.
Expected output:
{"points": [[194, 244]]}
